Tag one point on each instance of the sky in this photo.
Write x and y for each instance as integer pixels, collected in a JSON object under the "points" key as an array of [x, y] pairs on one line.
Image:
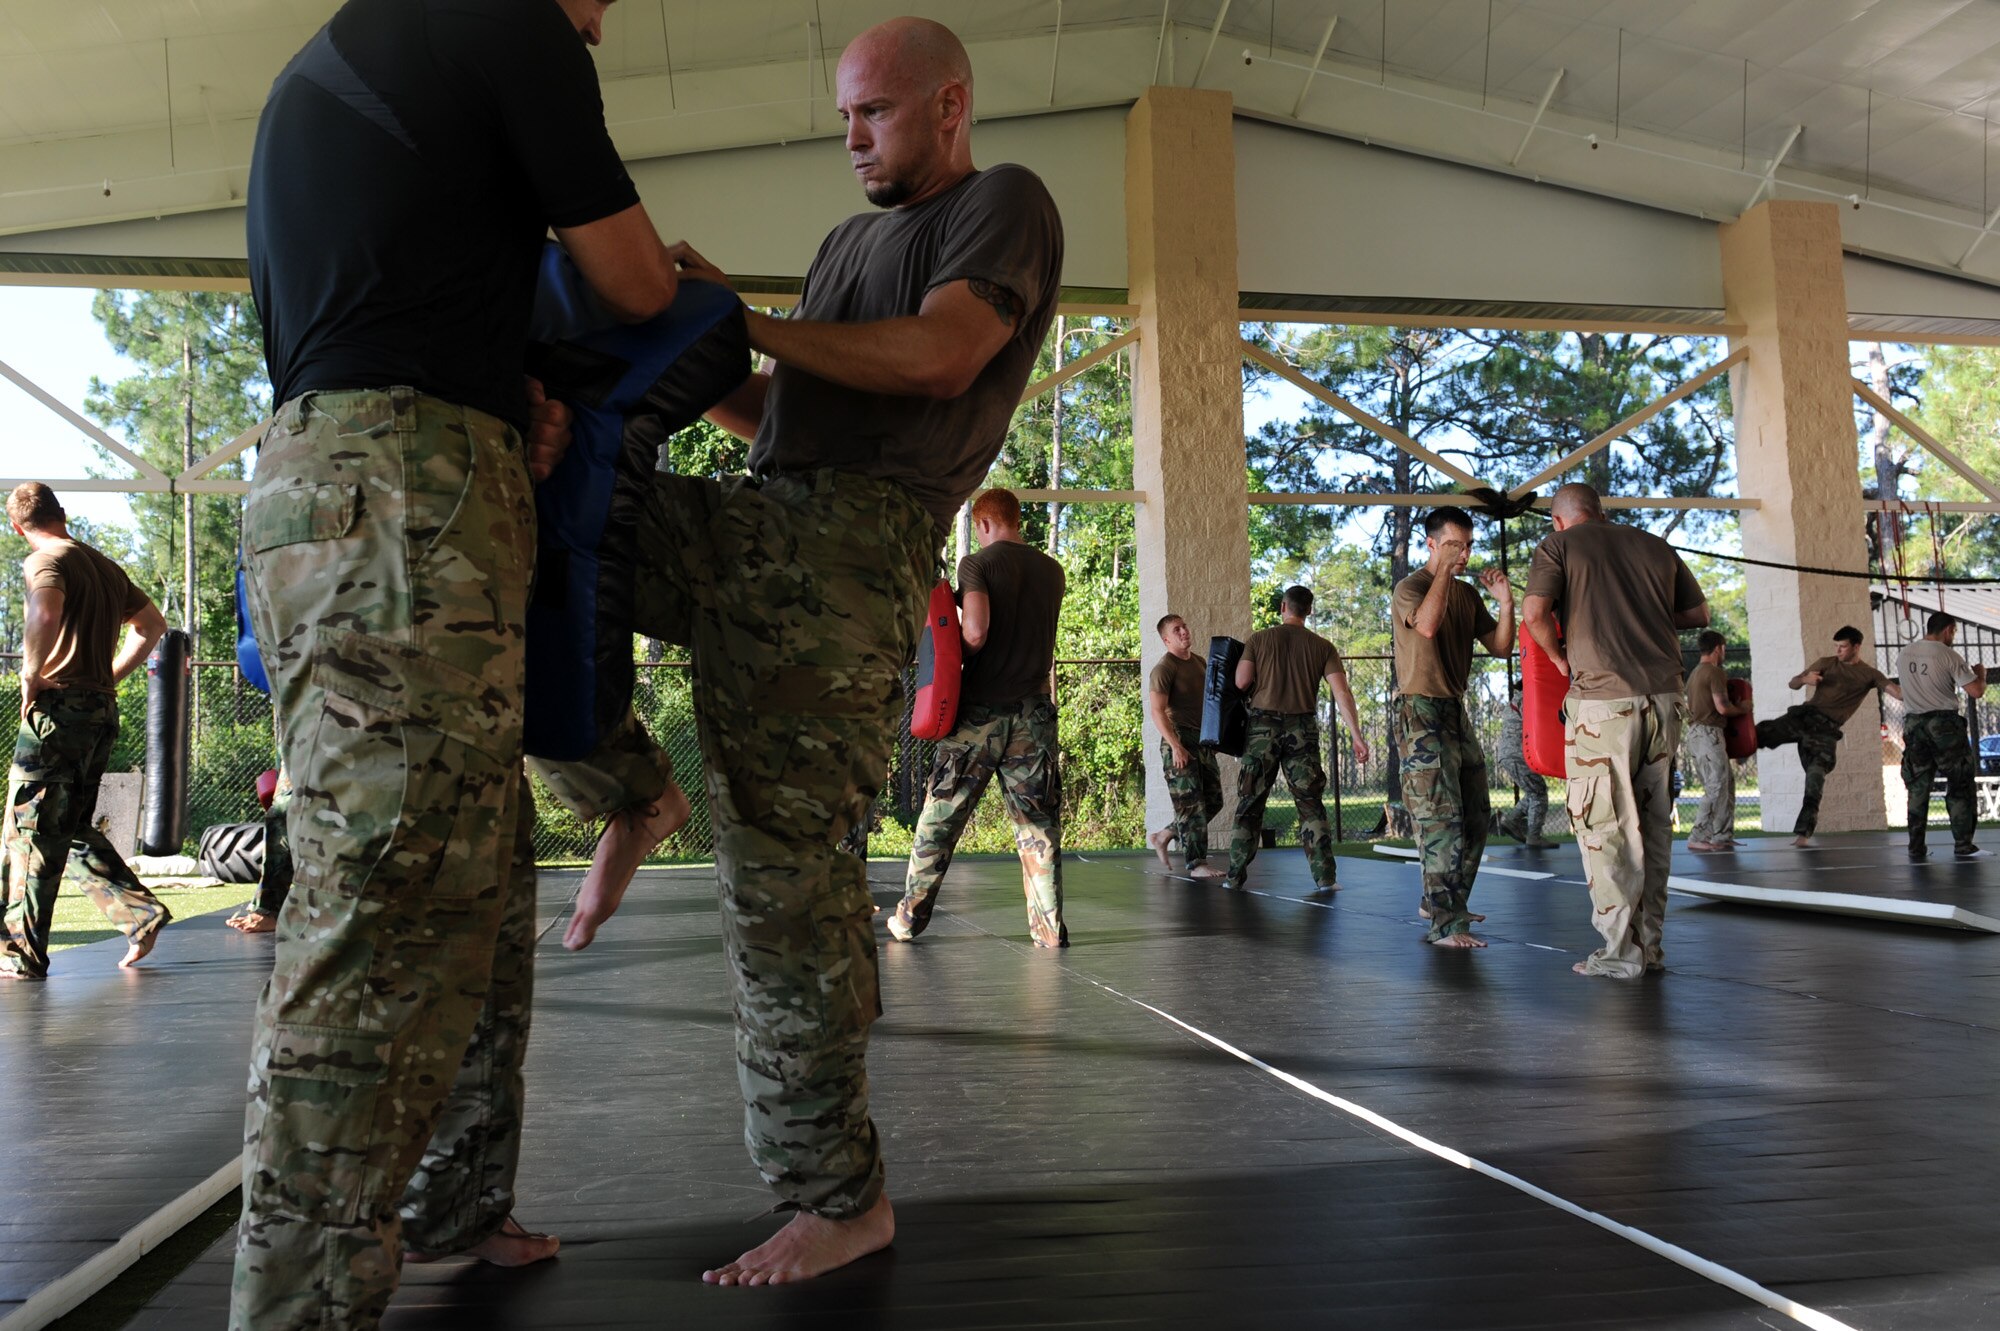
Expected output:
{"points": [[47, 334]]}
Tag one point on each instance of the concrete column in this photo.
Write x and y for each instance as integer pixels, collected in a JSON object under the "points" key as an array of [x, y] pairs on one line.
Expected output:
{"points": [[1796, 451], [1187, 388]]}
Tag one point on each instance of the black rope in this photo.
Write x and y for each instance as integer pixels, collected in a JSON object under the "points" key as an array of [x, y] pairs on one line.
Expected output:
{"points": [[1926, 578]]}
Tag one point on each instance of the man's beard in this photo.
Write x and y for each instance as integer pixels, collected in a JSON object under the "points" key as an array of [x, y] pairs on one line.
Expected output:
{"points": [[886, 193]]}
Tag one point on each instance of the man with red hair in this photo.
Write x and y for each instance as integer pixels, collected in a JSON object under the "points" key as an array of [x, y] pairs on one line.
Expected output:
{"points": [[1011, 595]]}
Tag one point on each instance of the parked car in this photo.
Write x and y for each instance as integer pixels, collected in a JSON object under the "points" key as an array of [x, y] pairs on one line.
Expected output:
{"points": [[1989, 755]]}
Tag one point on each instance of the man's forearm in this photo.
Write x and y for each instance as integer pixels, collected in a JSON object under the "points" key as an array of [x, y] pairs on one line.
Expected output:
{"points": [[1543, 630], [897, 356], [138, 646], [1343, 701], [743, 410], [1502, 641], [1430, 613], [1156, 712]]}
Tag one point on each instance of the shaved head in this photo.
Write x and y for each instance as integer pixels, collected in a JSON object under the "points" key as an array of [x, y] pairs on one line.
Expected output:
{"points": [[1577, 502], [905, 91], [928, 55]]}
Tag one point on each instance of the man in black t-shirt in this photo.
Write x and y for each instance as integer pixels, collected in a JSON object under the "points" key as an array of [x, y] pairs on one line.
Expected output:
{"points": [[408, 164], [800, 590], [1011, 596]]}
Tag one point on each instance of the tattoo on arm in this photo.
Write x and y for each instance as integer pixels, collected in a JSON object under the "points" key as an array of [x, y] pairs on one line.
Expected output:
{"points": [[1004, 302]]}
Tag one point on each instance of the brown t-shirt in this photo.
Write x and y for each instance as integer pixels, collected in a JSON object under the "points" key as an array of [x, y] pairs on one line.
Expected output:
{"points": [[1024, 589], [1704, 682], [1289, 661], [97, 600], [1181, 680], [1842, 687], [996, 226], [1436, 667], [1616, 591]]}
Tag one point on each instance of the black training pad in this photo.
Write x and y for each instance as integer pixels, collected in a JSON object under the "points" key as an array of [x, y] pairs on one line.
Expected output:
{"points": [[1805, 1099]]}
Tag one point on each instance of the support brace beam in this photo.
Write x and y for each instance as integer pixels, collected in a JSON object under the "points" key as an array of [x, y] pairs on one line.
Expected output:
{"points": [[1771, 171], [1535, 124], [1297, 378], [34, 390], [1925, 438], [1090, 359], [1630, 423]]}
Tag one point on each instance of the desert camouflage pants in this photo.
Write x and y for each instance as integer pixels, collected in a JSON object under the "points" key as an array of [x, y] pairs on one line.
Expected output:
{"points": [[390, 538], [800, 597], [1620, 756], [1444, 788], [1715, 820], [1289, 743], [1528, 820], [1818, 738], [1934, 743], [59, 759], [1018, 742], [1196, 792]]}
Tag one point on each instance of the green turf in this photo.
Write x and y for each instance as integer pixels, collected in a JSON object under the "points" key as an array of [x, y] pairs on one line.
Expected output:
{"points": [[77, 921]]}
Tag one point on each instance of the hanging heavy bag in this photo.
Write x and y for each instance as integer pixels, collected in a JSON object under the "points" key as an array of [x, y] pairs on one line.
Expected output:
{"points": [[163, 819], [1739, 733], [1542, 690], [1225, 716], [940, 668]]}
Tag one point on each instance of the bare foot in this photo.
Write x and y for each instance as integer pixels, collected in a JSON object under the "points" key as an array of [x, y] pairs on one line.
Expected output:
{"points": [[7, 973], [1158, 841], [1801, 841], [140, 947], [1206, 871], [1458, 940], [1702, 847], [252, 922], [810, 1246], [629, 837], [510, 1246]]}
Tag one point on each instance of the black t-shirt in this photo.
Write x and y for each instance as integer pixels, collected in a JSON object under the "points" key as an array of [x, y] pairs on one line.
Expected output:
{"points": [[1024, 590], [408, 163], [998, 225]]}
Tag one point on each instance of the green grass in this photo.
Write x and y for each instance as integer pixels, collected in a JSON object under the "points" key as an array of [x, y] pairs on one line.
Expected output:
{"points": [[77, 921]]}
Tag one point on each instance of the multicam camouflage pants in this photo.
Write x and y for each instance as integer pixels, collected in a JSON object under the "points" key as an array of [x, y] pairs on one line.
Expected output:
{"points": [[1715, 820], [1287, 742], [1019, 743], [1528, 820], [1620, 756], [390, 538], [1933, 743], [800, 596], [1818, 738], [1196, 791], [59, 759], [1444, 788]]}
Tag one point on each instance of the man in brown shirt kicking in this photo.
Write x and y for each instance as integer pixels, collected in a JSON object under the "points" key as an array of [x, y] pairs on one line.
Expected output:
{"points": [[1839, 683]]}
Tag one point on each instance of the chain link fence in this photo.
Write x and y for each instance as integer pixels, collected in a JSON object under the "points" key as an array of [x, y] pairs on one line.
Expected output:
{"points": [[1103, 757]]}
